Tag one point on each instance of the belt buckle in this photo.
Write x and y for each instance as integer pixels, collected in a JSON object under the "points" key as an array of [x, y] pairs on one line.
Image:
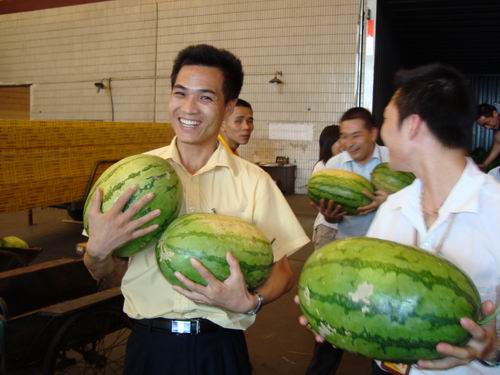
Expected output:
{"points": [[185, 326]]}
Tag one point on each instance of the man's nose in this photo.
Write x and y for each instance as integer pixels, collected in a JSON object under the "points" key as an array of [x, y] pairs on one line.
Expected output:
{"points": [[189, 104]]}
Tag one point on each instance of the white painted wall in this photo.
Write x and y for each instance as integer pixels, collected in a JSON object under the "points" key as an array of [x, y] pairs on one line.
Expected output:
{"points": [[63, 51]]}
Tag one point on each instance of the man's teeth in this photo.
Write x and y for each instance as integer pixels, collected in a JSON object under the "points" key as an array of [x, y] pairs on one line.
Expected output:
{"points": [[189, 123]]}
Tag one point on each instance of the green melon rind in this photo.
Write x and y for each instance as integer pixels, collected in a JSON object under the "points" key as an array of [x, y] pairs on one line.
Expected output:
{"points": [[208, 237], [390, 329], [343, 187], [151, 174], [389, 180]]}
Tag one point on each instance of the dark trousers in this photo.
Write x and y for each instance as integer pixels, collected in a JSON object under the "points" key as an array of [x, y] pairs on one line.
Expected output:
{"points": [[325, 361], [152, 351]]}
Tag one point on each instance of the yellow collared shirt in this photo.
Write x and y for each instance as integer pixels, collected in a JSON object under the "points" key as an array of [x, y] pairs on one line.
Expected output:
{"points": [[230, 186]]}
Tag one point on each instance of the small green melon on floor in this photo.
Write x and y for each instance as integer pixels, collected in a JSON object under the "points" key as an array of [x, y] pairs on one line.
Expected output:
{"points": [[385, 178], [385, 300], [13, 242], [343, 187], [151, 174], [208, 237]]}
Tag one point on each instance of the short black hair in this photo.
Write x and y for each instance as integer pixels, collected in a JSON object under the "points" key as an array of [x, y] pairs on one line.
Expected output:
{"points": [[441, 96], [485, 110], [359, 113], [329, 135], [243, 103], [210, 56]]}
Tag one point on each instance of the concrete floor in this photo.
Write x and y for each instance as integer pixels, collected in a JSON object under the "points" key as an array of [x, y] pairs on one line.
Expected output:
{"points": [[277, 343]]}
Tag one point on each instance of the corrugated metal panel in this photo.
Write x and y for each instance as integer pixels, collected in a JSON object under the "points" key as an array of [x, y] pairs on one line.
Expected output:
{"points": [[486, 90]]}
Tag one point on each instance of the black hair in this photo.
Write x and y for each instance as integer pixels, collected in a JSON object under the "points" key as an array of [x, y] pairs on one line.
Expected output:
{"points": [[440, 95], [243, 103], [329, 135], [485, 110], [359, 113], [206, 55]]}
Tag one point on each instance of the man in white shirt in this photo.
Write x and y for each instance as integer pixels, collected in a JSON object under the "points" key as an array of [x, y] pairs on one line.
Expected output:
{"points": [[358, 135], [452, 209]]}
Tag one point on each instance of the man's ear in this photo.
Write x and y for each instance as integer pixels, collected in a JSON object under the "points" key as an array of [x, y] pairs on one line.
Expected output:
{"points": [[230, 107], [414, 123], [374, 133]]}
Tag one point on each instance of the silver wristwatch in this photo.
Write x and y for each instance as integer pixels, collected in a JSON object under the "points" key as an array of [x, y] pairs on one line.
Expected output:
{"points": [[258, 306]]}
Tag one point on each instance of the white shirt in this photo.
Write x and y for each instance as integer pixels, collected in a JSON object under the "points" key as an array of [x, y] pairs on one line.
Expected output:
{"points": [[472, 243], [351, 226], [495, 172]]}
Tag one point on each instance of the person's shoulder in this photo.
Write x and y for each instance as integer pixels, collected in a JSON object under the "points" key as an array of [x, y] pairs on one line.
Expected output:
{"points": [[337, 160]]}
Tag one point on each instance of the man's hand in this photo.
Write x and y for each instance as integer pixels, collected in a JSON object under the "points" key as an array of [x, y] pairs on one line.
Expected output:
{"points": [[377, 198], [480, 346], [333, 213], [114, 228], [231, 294], [303, 322]]}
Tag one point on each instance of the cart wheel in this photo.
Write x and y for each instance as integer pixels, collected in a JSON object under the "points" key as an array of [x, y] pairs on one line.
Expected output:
{"points": [[92, 342]]}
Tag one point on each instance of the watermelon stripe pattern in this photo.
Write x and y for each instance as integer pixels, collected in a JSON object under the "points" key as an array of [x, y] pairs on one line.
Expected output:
{"points": [[342, 187], [208, 237], [385, 300], [389, 180], [151, 174]]}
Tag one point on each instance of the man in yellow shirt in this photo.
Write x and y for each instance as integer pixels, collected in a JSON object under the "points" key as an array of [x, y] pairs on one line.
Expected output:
{"points": [[206, 82], [237, 128]]}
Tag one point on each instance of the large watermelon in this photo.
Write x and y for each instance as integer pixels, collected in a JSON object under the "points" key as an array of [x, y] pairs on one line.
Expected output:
{"points": [[385, 300], [389, 180], [208, 237], [343, 187], [151, 174]]}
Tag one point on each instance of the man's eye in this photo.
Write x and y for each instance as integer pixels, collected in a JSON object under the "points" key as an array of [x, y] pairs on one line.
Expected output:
{"points": [[206, 99], [178, 93]]}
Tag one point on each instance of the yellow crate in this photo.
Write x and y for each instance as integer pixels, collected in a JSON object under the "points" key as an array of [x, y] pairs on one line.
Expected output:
{"points": [[44, 163]]}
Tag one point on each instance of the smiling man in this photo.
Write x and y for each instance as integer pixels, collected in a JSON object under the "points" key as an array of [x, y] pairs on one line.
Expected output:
{"points": [[206, 82], [237, 128], [361, 155]]}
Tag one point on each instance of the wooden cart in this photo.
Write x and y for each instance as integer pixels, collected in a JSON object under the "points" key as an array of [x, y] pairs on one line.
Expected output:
{"points": [[55, 320]]}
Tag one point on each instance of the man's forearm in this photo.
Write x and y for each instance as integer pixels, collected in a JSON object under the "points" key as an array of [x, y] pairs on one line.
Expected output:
{"points": [[495, 151], [98, 267], [279, 282]]}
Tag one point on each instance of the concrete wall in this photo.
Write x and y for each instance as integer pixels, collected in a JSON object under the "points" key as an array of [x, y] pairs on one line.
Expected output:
{"points": [[63, 51]]}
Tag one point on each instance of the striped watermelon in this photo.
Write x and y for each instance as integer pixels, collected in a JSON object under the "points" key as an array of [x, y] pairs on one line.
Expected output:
{"points": [[151, 174], [208, 237], [342, 187], [389, 180], [385, 300]]}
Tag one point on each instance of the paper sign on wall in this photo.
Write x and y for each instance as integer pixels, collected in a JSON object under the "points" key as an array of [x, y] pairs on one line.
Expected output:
{"points": [[291, 131]]}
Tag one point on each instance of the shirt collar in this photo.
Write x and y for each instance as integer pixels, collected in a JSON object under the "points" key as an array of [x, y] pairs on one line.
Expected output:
{"points": [[223, 141], [375, 155], [220, 158], [463, 197]]}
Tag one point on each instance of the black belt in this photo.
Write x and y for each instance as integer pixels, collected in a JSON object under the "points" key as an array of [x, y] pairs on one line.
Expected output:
{"points": [[179, 326]]}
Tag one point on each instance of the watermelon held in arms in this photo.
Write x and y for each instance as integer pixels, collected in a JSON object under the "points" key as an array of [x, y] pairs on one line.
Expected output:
{"points": [[389, 180], [208, 237], [343, 187], [385, 300], [151, 174]]}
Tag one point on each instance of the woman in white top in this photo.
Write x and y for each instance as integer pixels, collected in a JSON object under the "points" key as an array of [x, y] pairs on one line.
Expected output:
{"points": [[329, 145]]}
